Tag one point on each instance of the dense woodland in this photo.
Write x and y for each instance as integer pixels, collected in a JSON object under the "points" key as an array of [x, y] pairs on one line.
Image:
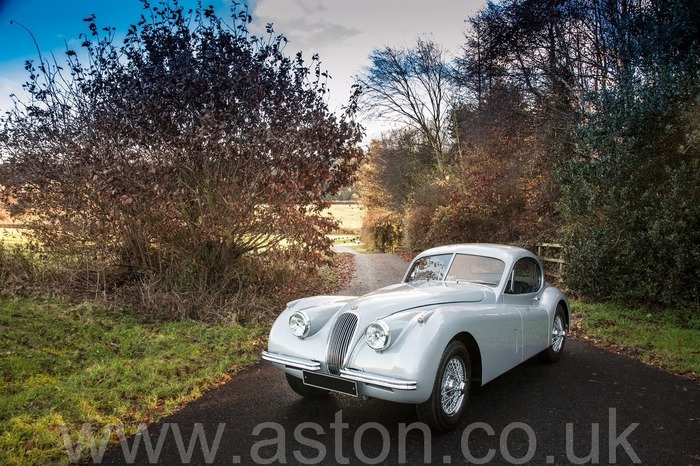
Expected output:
{"points": [[185, 169], [566, 121]]}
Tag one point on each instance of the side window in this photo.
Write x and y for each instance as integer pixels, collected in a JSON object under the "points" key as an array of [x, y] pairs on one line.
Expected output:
{"points": [[526, 277]]}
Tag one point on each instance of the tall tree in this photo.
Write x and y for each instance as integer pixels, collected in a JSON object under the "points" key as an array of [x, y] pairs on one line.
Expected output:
{"points": [[611, 86], [413, 85]]}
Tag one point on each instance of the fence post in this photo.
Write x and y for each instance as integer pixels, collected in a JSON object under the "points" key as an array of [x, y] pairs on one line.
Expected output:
{"points": [[543, 252]]}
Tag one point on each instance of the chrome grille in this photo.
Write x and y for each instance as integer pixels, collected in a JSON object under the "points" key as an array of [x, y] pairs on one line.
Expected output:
{"points": [[339, 341]]}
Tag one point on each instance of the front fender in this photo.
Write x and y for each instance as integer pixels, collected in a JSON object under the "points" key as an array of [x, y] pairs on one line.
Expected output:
{"points": [[416, 352], [418, 339]]}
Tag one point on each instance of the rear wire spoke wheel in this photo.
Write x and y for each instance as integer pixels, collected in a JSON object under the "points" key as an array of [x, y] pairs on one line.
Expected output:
{"points": [[443, 411], [556, 349]]}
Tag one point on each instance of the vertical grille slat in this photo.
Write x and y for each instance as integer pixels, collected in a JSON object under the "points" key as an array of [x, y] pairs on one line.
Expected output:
{"points": [[339, 341]]}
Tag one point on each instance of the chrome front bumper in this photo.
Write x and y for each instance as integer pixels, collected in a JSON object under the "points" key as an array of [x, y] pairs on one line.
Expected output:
{"points": [[291, 361], [350, 374]]}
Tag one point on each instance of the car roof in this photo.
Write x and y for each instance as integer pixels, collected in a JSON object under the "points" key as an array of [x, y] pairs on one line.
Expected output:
{"points": [[503, 252]]}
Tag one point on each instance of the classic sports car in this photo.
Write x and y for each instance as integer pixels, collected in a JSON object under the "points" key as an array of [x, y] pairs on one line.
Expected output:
{"points": [[463, 313]]}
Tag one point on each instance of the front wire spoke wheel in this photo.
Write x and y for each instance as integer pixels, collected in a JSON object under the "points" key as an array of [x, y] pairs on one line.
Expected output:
{"points": [[443, 411], [452, 387]]}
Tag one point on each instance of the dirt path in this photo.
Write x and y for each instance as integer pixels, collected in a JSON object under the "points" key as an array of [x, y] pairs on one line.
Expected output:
{"points": [[373, 271]]}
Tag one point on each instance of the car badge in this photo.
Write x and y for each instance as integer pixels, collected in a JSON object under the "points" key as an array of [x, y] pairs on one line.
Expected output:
{"points": [[353, 307]]}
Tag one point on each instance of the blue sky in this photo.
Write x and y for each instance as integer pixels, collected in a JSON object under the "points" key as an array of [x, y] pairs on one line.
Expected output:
{"points": [[53, 21], [342, 32]]}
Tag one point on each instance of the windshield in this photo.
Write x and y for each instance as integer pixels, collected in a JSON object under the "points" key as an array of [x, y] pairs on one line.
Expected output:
{"points": [[463, 268], [429, 268]]}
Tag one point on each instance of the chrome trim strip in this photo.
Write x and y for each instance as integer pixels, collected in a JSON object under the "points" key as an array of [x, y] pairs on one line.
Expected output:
{"points": [[291, 361], [379, 380]]}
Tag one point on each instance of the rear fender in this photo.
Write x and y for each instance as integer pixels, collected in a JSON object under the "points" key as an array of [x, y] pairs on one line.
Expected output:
{"points": [[551, 298]]}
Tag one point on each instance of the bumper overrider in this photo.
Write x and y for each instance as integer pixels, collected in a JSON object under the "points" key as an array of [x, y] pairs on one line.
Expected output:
{"points": [[347, 373]]}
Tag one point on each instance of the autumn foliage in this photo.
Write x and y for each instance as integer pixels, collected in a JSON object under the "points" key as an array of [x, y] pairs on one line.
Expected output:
{"points": [[194, 158]]}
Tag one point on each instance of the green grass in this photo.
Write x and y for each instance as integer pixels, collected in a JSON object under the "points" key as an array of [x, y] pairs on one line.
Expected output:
{"points": [[351, 241], [669, 339], [65, 365]]}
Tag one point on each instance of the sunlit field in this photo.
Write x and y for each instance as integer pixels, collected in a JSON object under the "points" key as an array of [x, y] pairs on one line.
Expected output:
{"points": [[349, 215]]}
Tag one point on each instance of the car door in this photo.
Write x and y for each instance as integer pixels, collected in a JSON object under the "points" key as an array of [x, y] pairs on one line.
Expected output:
{"points": [[523, 292]]}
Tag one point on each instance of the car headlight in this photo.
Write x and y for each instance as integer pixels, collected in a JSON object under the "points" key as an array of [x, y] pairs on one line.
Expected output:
{"points": [[377, 335], [299, 324]]}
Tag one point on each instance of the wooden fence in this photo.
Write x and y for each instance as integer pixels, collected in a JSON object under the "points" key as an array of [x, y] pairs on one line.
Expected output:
{"points": [[551, 256]]}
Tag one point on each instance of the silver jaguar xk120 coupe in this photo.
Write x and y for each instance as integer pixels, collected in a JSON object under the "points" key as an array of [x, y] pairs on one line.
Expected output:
{"points": [[463, 314]]}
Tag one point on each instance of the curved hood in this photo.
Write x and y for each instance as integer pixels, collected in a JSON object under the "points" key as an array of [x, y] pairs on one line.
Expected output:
{"points": [[402, 297]]}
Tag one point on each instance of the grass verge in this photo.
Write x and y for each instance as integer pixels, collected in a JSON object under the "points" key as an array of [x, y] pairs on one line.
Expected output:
{"points": [[63, 365], [350, 241], [669, 339]]}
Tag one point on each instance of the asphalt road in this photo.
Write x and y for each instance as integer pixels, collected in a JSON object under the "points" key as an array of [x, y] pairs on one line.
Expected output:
{"points": [[593, 407]]}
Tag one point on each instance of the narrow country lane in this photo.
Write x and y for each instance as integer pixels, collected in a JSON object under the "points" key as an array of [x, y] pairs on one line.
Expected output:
{"points": [[593, 407], [373, 271]]}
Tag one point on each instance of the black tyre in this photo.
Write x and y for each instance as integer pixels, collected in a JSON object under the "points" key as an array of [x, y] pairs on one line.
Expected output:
{"points": [[554, 352], [306, 391], [443, 410]]}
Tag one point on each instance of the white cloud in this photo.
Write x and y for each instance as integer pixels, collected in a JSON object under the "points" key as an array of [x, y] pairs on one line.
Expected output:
{"points": [[344, 32], [11, 83]]}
